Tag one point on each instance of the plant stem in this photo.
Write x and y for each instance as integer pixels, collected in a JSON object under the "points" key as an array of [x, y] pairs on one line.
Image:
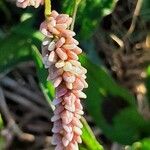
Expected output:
{"points": [[76, 4], [134, 19], [89, 135], [47, 8]]}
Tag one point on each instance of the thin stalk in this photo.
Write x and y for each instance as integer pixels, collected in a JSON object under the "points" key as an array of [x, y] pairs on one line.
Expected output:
{"points": [[90, 136], [76, 4], [135, 17], [47, 8]]}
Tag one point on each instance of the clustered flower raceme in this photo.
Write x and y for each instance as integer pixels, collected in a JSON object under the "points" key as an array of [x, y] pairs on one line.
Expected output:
{"points": [[25, 3], [60, 56]]}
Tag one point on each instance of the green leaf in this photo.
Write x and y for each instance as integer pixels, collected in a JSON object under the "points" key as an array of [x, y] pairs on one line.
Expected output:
{"points": [[112, 107], [88, 137], [17, 47], [13, 49]]}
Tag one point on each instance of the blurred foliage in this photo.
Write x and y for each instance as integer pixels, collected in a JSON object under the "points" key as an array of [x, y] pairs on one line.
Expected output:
{"points": [[125, 116], [145, 11], [140, 145], [89, 14], [112, 107]]}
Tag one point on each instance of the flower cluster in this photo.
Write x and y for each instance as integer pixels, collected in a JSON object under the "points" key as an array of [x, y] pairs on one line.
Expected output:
{"points": [[25, 3], [60, 55]]}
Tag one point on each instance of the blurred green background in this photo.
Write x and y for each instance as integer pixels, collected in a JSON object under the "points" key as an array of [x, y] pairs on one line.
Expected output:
{"points": [[114, 36]]}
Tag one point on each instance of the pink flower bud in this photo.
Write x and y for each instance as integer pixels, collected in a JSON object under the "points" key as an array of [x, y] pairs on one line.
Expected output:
{"points": [[25, 3]]}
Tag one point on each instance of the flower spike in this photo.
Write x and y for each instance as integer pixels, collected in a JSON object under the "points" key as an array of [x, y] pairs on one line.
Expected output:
{"points": [[60, 55]]}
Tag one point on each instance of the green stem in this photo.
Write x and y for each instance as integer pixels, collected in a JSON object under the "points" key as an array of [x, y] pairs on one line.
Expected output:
{"points": [[89, 138], [76, 4], [47, 8]]}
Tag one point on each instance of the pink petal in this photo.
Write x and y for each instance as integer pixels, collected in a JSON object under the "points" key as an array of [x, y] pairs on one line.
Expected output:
{"points": [[69, 99], [53, 30], [62, 55], [73, 146], [68, 77], [55, 118], [67, 33], [78, 104], [78, 139], [69, 85], [52, 57], [60, 64], [69, 21], [56, 139], [65, 142], [71, 40], [78, 84], [59, 147], [69, 46], [54, 14], [57, 126], [57, 81], [69, 136], [75, 63], [77, 50], [79, 94], [61, 26], [78, 111], [62, 18], [54, 72], [76, 122], [60, 42], [77, 130], [67, 128], [58, 110], [70, 108], [72, 55], [68, 67], [51, 46], [60, 91], [66, 117], [57, 101]]}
